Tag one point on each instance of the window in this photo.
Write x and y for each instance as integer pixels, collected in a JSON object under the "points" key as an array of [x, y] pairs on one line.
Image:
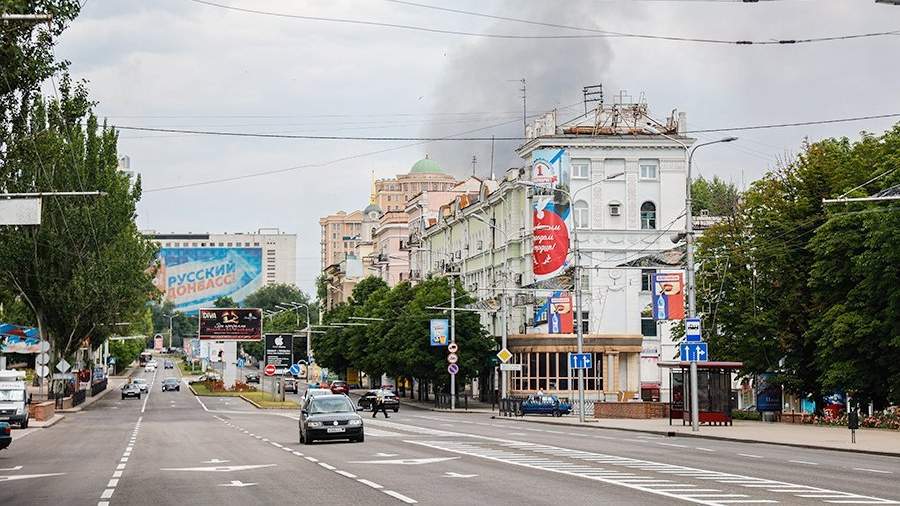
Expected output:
{"points": [[648, 216], [648, 169], [582, 218], [645, 279], [585, 322], [549, 371], [581, 169]]}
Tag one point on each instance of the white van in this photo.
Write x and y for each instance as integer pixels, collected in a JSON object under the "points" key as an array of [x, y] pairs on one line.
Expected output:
{"points": [[13, 398]]}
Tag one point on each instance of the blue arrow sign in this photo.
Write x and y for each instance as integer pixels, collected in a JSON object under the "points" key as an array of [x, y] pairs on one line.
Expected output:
{"points": [[295, 369], [580, 361], [692, 330], [694, 352], [240, 363]]}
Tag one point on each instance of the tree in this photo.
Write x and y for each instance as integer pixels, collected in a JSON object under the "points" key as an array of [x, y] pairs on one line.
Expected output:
{"points": [[126, 351], [182, 324], [86, 266], [224, 302], [269, 296], [716, 196]]}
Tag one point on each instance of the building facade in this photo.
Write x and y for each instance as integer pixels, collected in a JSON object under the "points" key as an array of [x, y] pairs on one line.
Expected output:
{"points": [[426, 175], [625, 189], [340, 236]]}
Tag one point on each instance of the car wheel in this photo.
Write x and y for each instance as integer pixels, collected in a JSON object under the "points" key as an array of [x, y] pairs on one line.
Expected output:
{"points": [[123, 397], [139, 396], [307, 440], [555, 413], [396, 410], [24, 423], [360, 439], [301, 437]]}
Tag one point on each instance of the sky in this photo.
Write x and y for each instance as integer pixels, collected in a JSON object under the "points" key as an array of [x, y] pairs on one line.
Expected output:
{"points": [[184, 64]]}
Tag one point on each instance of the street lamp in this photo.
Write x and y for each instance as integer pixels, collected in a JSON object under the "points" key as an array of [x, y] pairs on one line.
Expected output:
{"points": [[576, 252], [296, 307], [169, 316], [690, 284]]}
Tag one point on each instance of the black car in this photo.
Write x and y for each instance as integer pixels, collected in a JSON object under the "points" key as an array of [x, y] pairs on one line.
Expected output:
{"points": [[251, 378], [330, 417], [5, 435], [131, 390], [171, 384], [390, 400]]}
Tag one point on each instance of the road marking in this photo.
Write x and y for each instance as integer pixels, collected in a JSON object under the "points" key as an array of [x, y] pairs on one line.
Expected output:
{"points": [[673, 445], [113, 483], [201, 403], [12, 468], [345, 473], [236, 483], [449, 474], [386, 454], [297, 454], [27, 476], [311, 459], [750, 455], [803, 462], [327, 466], [277, 444], [872, 470], [217, 469], [103, 503], [107, 493], [216, 461], [120, 466], [704, 449], [405, 462], [117, 474], [402, 497], [369, 483]]}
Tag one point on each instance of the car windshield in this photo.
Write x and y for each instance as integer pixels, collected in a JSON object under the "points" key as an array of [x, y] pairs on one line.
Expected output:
{"points": [[12, 395], [138, 380], [171, 381], [330, 405]]}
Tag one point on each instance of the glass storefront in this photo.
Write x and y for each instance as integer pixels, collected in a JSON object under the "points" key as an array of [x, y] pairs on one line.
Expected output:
{"points": [[549, 372]]}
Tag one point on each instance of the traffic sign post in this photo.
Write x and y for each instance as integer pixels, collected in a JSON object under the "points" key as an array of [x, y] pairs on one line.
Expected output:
{"points": [[504, 355], [269, 370], [694, 352], [452, 358], [453, 369], [692, 333], [294, 370], [580, 361]]}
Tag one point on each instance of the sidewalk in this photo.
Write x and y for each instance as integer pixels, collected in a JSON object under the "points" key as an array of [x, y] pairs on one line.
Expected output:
{"points": [[113, 383], [474, 406], [874, 441]]}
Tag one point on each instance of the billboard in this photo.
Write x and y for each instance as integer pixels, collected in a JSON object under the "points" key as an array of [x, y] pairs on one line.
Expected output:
{"points": [[439, 332], [768, 393], [195, 277], [18, 339], [158, 342], [551, 212], [668, 295], [280, 351], [231, 324], [561, 317]]}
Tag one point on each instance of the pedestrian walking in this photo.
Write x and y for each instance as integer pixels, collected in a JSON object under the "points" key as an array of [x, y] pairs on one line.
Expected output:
{"points": [[379, 405]]}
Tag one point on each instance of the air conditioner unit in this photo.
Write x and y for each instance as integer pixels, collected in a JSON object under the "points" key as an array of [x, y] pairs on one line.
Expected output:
{"points": [[615, 210]]}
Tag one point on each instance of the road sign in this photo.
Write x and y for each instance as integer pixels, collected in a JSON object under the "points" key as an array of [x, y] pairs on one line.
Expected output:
{"points": [[504, 355], [295, 370], [580, 360], [279, 351], [452, 347], [42, 371], [692, 330], [62, 366], [240, 363], [511, 367], [453, 368], [45, 346], [43, 358], [694, 352], [453, 358], [270, 370]]}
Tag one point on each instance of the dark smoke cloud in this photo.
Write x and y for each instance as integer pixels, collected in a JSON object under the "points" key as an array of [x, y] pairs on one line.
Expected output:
{"points": [[483, 74]]}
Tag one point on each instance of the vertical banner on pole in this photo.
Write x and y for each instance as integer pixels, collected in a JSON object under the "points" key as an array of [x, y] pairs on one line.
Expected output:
{"points": [[668, 295]]}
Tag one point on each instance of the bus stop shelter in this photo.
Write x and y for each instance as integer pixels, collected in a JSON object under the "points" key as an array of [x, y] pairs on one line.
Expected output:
{"points": [[713, 391]]}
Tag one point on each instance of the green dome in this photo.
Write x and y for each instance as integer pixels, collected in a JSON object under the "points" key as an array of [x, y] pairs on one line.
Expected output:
{"points": [[426, 166]]}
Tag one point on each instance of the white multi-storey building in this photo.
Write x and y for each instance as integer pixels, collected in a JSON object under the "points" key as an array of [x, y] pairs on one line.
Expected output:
{"points": [[627, 187]]}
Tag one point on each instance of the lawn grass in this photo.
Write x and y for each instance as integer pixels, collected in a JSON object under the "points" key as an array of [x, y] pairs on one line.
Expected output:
{"points": [[264, 399], [186, 368]]}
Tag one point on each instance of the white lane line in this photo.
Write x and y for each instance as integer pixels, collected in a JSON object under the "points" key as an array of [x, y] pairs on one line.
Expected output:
{"points": [[103, 503], [369, 483], [201, 404], [872, 470], [402, 497], [345, 473], [117, 474], [673, 445], [124, 459], [120, 466], [704, 449], [113, 483], [107, 493], [297, 454], [750, 455], [803, 462], [277, 444], [327, 466], [311, 459]]}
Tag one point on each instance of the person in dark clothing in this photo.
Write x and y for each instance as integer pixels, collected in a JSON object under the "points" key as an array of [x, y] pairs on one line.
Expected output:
{"points": [[378, 404]]}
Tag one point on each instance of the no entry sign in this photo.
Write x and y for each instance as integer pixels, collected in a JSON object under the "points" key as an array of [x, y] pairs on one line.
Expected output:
{"points": [[270, 370]]}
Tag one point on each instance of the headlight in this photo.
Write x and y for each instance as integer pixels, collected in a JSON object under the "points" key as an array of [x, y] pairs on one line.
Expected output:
{"points": [[355, 422], [19, 411], [315, 424]]}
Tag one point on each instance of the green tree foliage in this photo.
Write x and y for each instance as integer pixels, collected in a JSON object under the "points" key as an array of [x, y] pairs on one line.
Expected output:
{"points": [[268, 297], [86, 266], [715, 195], [791, 285], [398, 345], [126, 351], [224, 302], [182, 324]]}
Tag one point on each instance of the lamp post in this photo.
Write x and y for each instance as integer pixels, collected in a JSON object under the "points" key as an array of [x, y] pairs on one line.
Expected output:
{"points": [[296, 306], [576, 254], [169, 316], [690, 284]]}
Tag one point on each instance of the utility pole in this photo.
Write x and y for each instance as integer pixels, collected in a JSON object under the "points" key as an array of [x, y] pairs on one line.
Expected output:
{"points": [[452, 338]]}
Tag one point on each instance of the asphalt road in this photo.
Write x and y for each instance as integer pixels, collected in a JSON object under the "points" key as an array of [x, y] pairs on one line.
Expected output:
{"points": [[174, 448]]}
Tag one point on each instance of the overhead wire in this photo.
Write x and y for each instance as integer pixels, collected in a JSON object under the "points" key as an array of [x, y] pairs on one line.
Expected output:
{"points": [[594, 33]]}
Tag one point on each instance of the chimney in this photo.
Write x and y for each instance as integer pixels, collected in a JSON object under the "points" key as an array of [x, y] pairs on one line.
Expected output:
{"points": [[682, 123]]}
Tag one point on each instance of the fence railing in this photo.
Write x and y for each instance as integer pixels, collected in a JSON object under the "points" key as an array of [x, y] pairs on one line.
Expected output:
{"points": [[511, 406], [442, 401], [78, 397]]}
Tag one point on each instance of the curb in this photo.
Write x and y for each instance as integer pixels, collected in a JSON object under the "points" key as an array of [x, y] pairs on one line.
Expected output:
{"points": [[257, 406], [459, 411], [94, 399], [48, 423], [704, 436]]}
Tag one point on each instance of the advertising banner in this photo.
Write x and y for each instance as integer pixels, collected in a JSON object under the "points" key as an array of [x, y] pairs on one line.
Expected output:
{"points": [[158, 342], [18, 339], [768, 393], [280, 351], [440, 332], [668, 296], [195, 348], [231, 324], [549, 172], [562, 316], [195, 277]]}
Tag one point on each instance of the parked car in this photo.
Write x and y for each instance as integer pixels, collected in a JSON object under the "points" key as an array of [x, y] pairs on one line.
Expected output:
{"points": [[210, 376], [131, 390], [545, 405], [340, 387], [330, 417], [168, 364], [14, 398], [171, 384], [5, 435], [251, 378], [142, 384], [367, 401]]}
